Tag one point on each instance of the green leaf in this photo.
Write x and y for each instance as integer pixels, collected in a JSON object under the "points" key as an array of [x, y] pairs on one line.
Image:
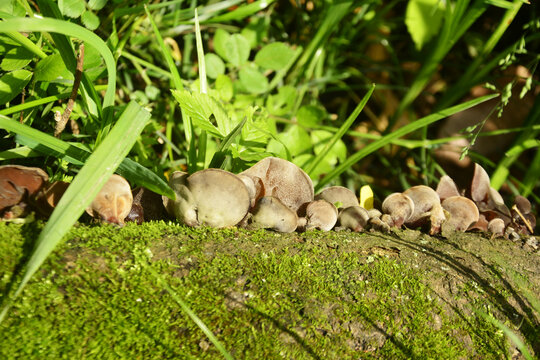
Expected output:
{"points": [[220, 43], [283, 102], [93, 175], [12, 84], [214, 65], [224, 88], [53, 69], [199, 107], [423, 19], [253, 81], [237, 50], [274, 56], [73, 8], [295, 138], [97, 4], [12, 7], [90, 20], [16, 58], [310, 115]]}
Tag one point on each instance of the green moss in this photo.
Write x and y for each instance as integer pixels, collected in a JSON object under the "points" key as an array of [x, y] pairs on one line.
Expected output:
{"points": [[264, 295]]}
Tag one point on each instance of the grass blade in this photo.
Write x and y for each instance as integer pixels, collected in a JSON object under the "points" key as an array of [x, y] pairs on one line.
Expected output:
{"points": [[93, 175], [200, 56], [418, 124], [73, 30], [342, 130], [49, 145], [219, 156], [508, 332]]}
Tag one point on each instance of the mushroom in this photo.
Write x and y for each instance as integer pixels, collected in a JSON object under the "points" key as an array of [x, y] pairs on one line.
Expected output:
{"points": [[354, 217], [254, 187], [113, 202], [487, 199], [399, 206], [183, 208], [271, 213], [210, 197], [48, 199], [281, 179], [427, 207], [147, 206], [338, 195], [463, 213], [321, 215], [18, 182], [447, 188], [496, 227]]}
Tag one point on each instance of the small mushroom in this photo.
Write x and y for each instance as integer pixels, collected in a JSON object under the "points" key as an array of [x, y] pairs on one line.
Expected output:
{"points": [[254, 186], [338, 195], [18, 182], [427, 208], [399, 206], [271, 213], [210, 197], [321, 215], [355, 218], [487, 199], [463, 213], [113, 202], [282, 179], [447, 188], [496, 227]]}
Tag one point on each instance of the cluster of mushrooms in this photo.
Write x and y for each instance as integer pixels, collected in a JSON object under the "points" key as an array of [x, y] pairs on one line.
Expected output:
{"points": [[276, 194]]}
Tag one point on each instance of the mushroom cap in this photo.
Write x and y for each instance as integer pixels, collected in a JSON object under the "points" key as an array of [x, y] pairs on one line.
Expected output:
{"points": [[338, 194], [220, 198], [427, 207], [271, 213], [284, 180], [463, 213], [354, 217], [321, 215], [399, 206], [486, 197], [17, 181], [496, 227], [254, 187], [113, 202], [447, 187], [48, 199]]}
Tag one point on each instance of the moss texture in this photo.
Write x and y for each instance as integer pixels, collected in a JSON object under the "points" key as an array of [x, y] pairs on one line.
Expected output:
{"points": [[268, 296]]}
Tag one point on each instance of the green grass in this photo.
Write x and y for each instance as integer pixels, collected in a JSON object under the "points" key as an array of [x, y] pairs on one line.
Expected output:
{"points": [[95, 298]]}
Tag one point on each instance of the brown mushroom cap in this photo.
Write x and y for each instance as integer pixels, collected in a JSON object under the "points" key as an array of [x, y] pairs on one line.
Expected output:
{"points": [[487, 199], [221, 199], [338, 194], [321, 215], [463, 213], [284, 180], [271, 213], [447, 187], [427, 207], [18, 181], [113, 202], [399, 206], [354, 217]]}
